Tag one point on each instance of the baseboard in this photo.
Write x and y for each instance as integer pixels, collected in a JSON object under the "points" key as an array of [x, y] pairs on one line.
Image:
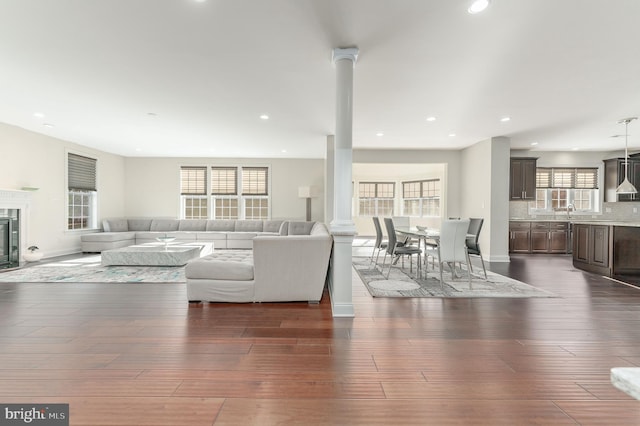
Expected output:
{"points": [[49, 254], [344, 310], [499, 259]]}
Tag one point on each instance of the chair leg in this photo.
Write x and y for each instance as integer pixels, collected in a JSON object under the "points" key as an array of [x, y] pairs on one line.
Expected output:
{"points": [[483, 268], [468, 268]]}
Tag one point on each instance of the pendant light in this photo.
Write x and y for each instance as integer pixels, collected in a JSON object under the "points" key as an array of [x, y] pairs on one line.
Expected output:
{"points": [[626, 187]]}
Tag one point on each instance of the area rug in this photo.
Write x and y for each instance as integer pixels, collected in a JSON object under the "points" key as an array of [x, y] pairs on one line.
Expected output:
{"points": [[400, 284], [89, 270]]}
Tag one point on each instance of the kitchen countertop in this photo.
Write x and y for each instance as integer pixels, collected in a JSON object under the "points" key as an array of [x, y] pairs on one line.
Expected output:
{"points": [[635, 224]]}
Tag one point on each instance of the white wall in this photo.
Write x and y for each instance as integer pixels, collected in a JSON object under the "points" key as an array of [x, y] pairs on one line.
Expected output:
{"points": [[153, 185], [36, 160]]}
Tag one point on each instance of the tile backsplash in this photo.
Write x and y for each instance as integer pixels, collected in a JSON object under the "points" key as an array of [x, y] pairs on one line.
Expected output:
{"points": [[621, 211]]}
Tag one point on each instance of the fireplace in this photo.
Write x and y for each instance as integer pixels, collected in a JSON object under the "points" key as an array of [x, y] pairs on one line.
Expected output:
{"points": [[9, 238], [14, 215]]}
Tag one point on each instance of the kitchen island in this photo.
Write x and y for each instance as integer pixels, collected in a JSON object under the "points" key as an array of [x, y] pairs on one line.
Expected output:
{"points": [[608, 248]]}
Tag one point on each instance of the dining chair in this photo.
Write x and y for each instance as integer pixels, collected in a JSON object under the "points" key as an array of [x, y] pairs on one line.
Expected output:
{"points": [[379, 243], [473, 246], [395, 250], [452, 246], [404, 222]]}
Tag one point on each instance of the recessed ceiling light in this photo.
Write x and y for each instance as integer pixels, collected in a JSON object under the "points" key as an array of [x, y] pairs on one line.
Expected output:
{"points": [[575, 149], [505, 119], [452, 135], [48, 125], [284, 151], [534, 143], [431, 118], [138, 149], [478, 6], [264, 117], [38, 115], [199, 1], [379, 134]]}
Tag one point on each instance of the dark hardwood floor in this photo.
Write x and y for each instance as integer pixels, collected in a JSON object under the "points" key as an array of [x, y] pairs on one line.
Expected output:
{"points": [[137, 354]]}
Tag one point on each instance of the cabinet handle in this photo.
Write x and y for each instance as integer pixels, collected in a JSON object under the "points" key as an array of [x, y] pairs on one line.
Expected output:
{"points": [[549, 234]]}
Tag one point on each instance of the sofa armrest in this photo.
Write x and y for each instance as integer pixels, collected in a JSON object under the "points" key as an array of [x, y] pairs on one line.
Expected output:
{"points": [[291, 268]]}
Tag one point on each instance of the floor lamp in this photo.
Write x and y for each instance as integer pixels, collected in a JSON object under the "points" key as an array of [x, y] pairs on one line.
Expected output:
{"points": [[306, 192]]}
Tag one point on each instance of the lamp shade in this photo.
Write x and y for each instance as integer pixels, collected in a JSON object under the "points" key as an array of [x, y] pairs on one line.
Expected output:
{"points": [[626, 187], [305, 191]]}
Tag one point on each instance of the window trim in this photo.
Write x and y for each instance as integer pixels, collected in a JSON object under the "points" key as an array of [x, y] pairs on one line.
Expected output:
{"points": [[90, 188]]}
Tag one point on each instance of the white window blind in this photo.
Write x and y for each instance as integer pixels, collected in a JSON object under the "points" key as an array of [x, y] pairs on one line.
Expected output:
{"points": [[193, 180], [224, 181], [255, 181], [576, 178], [81, 174]]}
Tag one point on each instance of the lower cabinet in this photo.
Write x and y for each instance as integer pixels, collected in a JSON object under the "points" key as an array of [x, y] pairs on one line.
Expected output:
{"points": [[591, 248], [538, 237]]}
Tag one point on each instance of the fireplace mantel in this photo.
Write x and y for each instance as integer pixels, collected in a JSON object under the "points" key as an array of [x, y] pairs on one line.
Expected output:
{"points": [[21, 200]]}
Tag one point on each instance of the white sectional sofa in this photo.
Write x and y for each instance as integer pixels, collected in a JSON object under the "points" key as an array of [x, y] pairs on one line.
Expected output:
{"points": [[232, 234], [280, 268]]}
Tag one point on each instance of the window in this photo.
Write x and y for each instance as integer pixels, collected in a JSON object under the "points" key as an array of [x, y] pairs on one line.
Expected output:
{"points": [[421, 198], [219, 197], [376, 198], [255, 192], [193, 188], [566, 189], [82, 193]]}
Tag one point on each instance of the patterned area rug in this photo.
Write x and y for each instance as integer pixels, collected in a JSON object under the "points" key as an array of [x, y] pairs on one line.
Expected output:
{"points": [[400, 284], [89, 270]]}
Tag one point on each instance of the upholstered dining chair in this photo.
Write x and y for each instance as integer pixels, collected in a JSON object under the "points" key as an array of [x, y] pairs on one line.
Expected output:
{"points": [[473, 246], [379, 243], [396, 249], [452, 246]]}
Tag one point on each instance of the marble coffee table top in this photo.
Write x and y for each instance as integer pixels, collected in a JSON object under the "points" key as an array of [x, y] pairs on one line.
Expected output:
{"points": [[156, 254], [627, 379]]}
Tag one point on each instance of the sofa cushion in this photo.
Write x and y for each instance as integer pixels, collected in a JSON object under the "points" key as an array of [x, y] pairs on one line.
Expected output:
{"points": [[272, 225], [115, 225], [300, 228], [221, 225], [108, 236], [192, 225], [139, 224], [241, 235], [161, 225], [249, 226], [222, 265]]}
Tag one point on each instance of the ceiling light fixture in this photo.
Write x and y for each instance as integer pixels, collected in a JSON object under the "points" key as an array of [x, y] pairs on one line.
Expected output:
{"points": [[478, 6], [534, 143], [431, 118], [48, 125], [264, 117], [379, 134], [38, 115], [505, 119], [452, 135], [626, 187]]}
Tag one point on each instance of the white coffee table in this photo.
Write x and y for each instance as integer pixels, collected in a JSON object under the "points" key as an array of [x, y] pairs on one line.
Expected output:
{"points": [[156, 254]]}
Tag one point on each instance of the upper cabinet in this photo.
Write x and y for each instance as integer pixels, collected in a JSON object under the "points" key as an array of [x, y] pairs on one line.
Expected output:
{"points": [[523, 179], [614, 173]]}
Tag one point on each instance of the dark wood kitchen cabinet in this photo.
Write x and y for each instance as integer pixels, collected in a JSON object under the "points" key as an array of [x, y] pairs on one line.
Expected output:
{"points": [[522, 184], [591, 248], [538, 237], [519, 237]]}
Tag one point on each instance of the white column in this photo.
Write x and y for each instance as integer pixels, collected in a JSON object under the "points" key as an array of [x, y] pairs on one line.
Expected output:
{"points": [[328, 179], [342, 227]]}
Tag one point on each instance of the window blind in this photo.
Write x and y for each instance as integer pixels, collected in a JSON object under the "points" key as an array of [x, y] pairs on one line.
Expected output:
{"points": [[193, 180], [81, 173], [578, 178], [224, 181], [255, 181]]}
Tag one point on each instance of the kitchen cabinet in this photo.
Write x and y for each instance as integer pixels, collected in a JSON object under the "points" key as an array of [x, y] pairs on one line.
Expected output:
{"points": [[591, 248], [519, 237], [522, 184], [539, 237], [614, 174]]}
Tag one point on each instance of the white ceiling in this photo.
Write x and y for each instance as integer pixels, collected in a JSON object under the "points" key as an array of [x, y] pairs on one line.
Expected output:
{"points": [[564, 70]]}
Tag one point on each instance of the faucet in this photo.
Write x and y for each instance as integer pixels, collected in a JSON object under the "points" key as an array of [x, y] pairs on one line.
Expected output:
{"points": [[570, 208]]}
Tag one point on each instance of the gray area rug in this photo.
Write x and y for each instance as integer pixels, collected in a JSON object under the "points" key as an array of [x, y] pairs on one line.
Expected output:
{"points": [[89, 270], [400, 284]]}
